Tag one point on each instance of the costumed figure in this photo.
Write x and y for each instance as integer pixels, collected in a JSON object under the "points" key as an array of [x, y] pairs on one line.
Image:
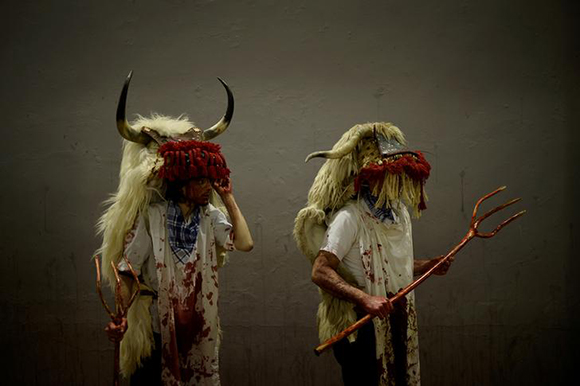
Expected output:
{"points": [[356, 231], [168, 222]]}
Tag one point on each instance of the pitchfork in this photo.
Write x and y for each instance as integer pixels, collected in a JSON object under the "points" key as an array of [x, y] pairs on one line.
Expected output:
{"points": [[471, 233], [120, 309]]}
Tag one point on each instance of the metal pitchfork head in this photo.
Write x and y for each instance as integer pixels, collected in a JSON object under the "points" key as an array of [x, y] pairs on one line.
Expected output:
{"points": [[475, 221], [120, 309]]}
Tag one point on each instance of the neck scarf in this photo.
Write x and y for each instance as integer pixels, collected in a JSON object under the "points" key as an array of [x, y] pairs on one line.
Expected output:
{"points": [[383, 214], [182, 234]]}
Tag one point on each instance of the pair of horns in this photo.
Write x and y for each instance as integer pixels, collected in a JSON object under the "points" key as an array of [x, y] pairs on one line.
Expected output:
{"points": [[133, 135], [361, 132]]}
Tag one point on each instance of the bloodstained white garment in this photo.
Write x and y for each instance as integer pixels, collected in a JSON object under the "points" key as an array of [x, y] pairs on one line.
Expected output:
{"points": [[380, 255], [187, 294]]}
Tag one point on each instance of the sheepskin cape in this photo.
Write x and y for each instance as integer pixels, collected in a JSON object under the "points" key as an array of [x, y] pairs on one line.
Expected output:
{"points": [[333, 187], [139, 186]]}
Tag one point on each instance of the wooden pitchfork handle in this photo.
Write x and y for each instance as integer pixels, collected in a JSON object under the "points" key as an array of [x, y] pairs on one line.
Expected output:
{"points": [[471, 233], [120, 309]]}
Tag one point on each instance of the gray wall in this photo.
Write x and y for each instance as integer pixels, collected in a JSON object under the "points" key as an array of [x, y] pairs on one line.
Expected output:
{"points": [[488, 89]]}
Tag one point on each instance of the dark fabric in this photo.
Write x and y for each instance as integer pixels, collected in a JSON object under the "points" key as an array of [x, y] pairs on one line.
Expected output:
{"points": [[358, 359], [399, 320], [149, 373]]}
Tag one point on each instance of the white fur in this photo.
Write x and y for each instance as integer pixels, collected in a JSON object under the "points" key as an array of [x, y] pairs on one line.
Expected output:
{"points": [[139, 186], [333, 186]]}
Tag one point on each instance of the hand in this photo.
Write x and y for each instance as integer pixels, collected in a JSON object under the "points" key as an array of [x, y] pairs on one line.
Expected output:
{"points": [[443, 268], [223, 187], [377, 305], [115, 331]]}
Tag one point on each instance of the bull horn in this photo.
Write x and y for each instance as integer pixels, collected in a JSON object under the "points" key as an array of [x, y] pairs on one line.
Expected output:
{"points": [[223, 123], [126, 131], [346, 148]]}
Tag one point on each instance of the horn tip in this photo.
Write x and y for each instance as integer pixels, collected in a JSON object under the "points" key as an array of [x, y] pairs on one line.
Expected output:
{"points": [[309, 157]]}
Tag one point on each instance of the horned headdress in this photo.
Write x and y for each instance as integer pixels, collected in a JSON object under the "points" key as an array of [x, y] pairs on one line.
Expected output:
{"points": [[373, 156], [155, 149]]}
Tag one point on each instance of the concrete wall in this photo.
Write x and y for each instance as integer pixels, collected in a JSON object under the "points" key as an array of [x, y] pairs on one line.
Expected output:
{"points": [[488, 89]]}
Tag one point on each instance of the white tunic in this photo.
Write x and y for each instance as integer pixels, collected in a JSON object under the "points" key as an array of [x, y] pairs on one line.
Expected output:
{"points": [[380, 256], [187, 294]]}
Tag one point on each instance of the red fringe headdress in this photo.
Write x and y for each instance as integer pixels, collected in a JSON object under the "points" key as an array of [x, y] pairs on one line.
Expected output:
{"points": [[415, 167], [192, 159]]}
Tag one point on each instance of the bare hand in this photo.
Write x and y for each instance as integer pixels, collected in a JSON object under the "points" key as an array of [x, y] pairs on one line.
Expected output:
{"points": [[116, 331], [223, 187], [377, 306], [443, 268]]}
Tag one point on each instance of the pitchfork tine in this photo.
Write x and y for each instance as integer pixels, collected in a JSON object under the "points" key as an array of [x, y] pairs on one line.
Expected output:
{"points": [[118, 298], [512, 218], [500, 226], [482, 199], [138, 289], [99, 291], [496, 209]]}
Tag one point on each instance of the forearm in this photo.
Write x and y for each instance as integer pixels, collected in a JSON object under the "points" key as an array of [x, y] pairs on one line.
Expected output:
{"points": [[325, 276], [330, 281], [242, 237], [420, 266]]}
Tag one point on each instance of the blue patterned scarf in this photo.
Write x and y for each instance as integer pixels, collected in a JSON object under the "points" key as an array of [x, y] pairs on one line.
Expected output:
{"points": [[383, 213], [182, 235]]}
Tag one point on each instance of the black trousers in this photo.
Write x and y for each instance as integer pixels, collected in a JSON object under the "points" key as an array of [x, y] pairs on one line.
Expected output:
{"points": [[358, 359], [149, 373]]}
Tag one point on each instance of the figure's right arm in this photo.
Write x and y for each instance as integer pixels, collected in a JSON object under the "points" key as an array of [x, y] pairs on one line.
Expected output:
{"points": [[325, 276]]}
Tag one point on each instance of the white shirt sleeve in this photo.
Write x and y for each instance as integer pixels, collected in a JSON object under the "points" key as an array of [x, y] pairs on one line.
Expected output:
{"points": [[341, 234], [137, 246], [222, 229]]}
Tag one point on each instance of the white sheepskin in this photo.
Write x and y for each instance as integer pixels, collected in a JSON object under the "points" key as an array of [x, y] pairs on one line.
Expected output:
{"points": [[138, 187], [333, 186]]}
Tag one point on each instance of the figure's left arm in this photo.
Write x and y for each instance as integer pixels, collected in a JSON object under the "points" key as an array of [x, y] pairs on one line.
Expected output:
{"points": [[242, 236], [420, 266]]}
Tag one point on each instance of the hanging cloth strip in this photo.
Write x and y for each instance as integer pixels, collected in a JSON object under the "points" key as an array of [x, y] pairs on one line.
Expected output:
{"points": [[387, 257]]}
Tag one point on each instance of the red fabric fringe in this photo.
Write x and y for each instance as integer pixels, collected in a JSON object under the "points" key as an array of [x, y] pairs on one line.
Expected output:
{"points": [[192, 159], [418, 169]]}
